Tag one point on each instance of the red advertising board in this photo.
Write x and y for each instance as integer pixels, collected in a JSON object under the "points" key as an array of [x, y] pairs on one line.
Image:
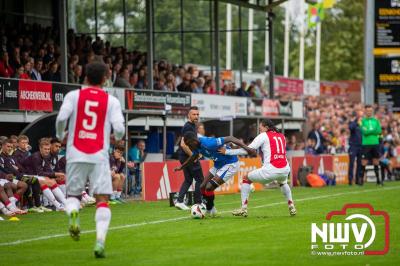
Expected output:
{"points": [[159, 179], [291, 86], [35, 96], [338, 164]]}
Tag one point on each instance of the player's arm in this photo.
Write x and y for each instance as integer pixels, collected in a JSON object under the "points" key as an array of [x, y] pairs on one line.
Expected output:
{"points": [[240, 143], [63, 115], [185, 148], [189, 161], [117, 119]]}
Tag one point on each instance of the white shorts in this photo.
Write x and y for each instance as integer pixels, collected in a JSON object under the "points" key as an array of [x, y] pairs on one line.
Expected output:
{"points": [[5, 181], [99, 175], [226, 171], [268, 174]]}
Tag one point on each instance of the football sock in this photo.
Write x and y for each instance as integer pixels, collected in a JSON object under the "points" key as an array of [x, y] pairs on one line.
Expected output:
{"points": [[102, 218], [245, 193], [58, 194], [72, 204], [63, 189], [13, 201], [376, 170], [287, 193]]}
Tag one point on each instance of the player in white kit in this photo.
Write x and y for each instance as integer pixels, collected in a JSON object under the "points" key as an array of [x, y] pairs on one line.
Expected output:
{"points": [[91, 113], [275, 165]]}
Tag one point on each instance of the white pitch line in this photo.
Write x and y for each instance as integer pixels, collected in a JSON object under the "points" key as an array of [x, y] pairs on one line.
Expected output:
{"points": [[18, 242]]}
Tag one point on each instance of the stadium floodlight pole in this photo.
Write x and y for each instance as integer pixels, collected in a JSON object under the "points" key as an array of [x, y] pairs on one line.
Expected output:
{"points": [[63, 39], [271, 51], [369, 87], [216, 44], [149, 28]]}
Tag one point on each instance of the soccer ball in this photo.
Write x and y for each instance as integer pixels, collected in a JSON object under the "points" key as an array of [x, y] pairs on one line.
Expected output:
{"points": [[197, 211]]}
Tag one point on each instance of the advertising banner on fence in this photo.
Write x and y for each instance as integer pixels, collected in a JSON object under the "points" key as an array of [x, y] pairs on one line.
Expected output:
{"points": [[8, 94], [59, 92], [270, 107], [287, 85], [216, 106], [156, 100], [159, 179], [35, 96], [311, 88], [338, 164]]}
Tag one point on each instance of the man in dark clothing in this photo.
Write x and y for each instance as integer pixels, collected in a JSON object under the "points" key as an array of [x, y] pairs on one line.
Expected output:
{"points": [[355, 150], [38, 164], [194, 171], [241, 92], [316, 135]]}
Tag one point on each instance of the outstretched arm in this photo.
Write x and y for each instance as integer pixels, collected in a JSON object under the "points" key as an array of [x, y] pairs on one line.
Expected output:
{"points": [[240, 143], [190, 160]]}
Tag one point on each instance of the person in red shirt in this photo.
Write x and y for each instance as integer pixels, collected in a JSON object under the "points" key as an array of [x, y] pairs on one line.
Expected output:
{"points": [[6, 71]]}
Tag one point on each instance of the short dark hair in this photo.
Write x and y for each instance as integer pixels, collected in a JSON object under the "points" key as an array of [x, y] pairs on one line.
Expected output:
{"points": [[189, 135], [120, 148], [54, 140], [368, 106], [95, 73]]}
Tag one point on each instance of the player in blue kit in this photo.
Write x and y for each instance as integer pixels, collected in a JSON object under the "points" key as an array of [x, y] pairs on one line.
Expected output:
{"points": [[225, 166]]}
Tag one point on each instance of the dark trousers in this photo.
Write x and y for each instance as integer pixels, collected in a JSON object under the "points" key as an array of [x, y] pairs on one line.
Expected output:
{"points": [[355, 154], [191, 172]]}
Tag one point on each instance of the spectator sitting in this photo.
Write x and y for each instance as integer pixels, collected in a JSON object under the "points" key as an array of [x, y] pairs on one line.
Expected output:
{"points": [[36, 75], [310, 148], [137, 155], [117, 165], [123, 79], [76, 75], [241, 92], [52, 74], [20, 73], [6, 70]]}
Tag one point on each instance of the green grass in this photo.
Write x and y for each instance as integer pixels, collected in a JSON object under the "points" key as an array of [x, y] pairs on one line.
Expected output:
{"points": [[155, 234]]}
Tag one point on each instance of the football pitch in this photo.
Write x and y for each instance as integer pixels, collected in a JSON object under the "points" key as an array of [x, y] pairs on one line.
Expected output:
{"points": [[152, 233]]}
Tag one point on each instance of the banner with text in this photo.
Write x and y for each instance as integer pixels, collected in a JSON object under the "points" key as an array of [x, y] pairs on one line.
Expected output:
{"points": [[216, 106]]}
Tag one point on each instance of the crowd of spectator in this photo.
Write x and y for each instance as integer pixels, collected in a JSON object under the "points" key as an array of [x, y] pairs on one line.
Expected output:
{"points": [[32, 52]]}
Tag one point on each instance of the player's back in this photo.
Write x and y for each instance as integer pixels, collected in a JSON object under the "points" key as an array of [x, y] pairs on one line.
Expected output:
{"points": [[90, 125], [209, 148], [274, 149]]}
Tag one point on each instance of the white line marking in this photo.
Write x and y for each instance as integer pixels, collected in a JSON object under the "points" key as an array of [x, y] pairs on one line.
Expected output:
{"points": [[18, 242]]}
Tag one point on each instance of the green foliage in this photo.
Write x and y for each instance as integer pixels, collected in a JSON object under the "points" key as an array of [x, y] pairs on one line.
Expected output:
{"points": [[342, 38]]}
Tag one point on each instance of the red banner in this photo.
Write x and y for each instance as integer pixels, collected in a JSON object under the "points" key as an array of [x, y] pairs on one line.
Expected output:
{"points": [[338, 164], [159, 179], [35, 96], [286, 85]]}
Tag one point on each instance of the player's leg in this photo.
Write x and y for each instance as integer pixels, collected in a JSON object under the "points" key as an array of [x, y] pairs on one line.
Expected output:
{"points": [[101, 187], [187, 182], [10, 188], [77, 176], [51, 191], [375, 162], [121, 183], [287, 193], [4, 199], [208, 196], [365, 157], [115, 184]]}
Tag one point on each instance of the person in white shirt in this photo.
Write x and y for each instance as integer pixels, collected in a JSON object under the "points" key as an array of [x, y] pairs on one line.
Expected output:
{"points": [[91, 113], [275, 165]]}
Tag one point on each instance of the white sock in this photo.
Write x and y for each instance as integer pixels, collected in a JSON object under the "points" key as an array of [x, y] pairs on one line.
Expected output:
{"points": [[63, 188], [102, 218], [245, 192], [72, 204], [287, 192], [13, 201], [48, 195], [119, 194], [113, 195], [46, 202], [59, 194]]}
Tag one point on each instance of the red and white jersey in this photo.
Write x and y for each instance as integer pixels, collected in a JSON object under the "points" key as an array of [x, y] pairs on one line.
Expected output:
{"points": [[91, 113], [273, 147]]}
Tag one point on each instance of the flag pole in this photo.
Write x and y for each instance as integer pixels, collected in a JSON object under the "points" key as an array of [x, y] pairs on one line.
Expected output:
{"points": [[302, 33]]}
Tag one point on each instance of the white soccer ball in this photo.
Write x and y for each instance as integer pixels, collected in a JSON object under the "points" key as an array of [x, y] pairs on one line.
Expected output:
{"points": [[197, 211]]}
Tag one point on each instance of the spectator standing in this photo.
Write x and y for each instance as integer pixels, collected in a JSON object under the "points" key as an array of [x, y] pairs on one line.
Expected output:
{"points": [[137, 155], [355, 151], [316, 135], [35, 75], [6, 70]]}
